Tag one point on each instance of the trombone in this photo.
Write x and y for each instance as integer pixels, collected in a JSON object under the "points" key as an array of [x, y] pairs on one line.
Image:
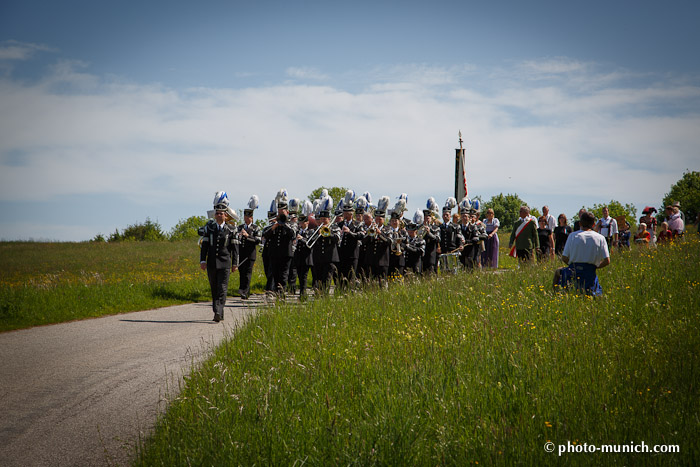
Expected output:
{"points": [[321, 231]]}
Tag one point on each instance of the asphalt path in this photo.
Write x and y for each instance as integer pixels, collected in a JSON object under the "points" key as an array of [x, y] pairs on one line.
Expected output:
{"points": [[85, 392]]}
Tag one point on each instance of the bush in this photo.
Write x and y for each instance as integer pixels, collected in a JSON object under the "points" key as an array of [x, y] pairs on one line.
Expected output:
{"points": [[186, 229], [148, 231]]}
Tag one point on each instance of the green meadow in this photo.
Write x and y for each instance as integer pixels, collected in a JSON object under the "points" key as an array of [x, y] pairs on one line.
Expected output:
{"points": [[45, 283], [472, 369], [482, 368]]}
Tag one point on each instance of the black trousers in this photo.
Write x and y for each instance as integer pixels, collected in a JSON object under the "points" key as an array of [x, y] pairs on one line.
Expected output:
{"points": [[245, 274], [218, 282], [292, 278], [347, 271], [323, 275], [279, 267], [302, 274]]}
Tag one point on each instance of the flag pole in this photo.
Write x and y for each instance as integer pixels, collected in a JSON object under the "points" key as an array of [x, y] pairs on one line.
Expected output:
{"points": [[460, 175]]}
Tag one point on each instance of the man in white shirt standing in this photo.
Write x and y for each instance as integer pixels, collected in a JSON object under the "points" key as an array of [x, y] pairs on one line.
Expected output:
{"points": [[585, 252], [607, 227], [551, 222]]}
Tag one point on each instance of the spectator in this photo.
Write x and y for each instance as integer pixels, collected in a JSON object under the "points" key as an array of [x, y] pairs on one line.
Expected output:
{"points": [[625, 234], [523, 239], [489, 258], [643, 237], [674, 220], [577, 224], [551, 223], [665, 235], [649, 221], [584, 253], [607, 227], [561, 233], [546, 239]]}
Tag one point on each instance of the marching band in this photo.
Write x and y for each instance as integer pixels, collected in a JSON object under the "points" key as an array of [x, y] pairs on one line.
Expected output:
{"points": [[352, 242]]}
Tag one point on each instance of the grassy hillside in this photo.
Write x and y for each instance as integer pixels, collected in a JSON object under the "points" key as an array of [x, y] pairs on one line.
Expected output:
{"points": [[480, 368]]}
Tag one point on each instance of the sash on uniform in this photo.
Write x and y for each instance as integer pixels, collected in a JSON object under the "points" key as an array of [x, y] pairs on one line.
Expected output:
{"points": [[519, 230]]}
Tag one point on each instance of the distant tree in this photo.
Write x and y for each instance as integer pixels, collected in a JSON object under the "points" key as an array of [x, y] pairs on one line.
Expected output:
{"points": [[115, 237], [336, 192], [148, 231], [506, 208], [687, 192], [187, 229], [615, 208], [99, 238]]}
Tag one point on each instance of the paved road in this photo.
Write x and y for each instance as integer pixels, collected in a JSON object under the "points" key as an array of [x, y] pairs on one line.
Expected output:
{"points": [[82, 393]]}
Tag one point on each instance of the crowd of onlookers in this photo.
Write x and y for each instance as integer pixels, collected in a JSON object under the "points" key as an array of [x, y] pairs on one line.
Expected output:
{"points": [[552, 236]]}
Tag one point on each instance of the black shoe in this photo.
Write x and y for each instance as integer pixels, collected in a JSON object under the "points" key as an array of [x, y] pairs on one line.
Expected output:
{"points": [[217, 318]]}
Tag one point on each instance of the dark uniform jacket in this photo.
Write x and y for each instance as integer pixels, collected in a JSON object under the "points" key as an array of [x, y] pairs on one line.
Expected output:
{"points": [[378, 247], [219, 246], [302, 253], [349, 247], [279, 242], [248, 245], [325, 249], [450, 237], [432, 240], [415, 249]]}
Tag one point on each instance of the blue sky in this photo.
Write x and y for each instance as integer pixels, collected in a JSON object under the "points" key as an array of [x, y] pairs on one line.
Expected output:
{"points": [[114, 112]]}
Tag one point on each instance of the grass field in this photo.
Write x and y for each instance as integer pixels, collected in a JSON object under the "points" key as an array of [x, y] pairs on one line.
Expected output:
{"points": [[468, 369], [46, 283], [43, 283]]}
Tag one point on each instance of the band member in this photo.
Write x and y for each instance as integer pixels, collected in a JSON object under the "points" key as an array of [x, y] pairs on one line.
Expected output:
{"points": [[415, 246], [279, 239], [303, 259], [431, 237], [397, 260], [271, 216], [480, 235], [451, 238], [249, 236], [468, 233], [293, 219], [350, 239], [379, 243], [325, 247], [219, 253], [362, 211]]}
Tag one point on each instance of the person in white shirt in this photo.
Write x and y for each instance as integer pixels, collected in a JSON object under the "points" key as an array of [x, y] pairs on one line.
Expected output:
{"points": [[585, 252], [551, 222], [607, 227]]}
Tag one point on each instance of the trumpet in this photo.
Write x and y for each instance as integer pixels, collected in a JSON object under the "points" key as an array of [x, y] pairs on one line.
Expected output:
{"points": [[396, 246], [375, 232]]}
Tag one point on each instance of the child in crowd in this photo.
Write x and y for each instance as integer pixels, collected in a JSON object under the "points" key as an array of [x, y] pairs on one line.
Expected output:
{"points": [[643, 236], [665, 235], [625, 234]]}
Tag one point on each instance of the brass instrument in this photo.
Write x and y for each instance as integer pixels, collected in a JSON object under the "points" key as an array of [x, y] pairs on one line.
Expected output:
{"points": [[396, 246], [321, 231], [422, 231]]}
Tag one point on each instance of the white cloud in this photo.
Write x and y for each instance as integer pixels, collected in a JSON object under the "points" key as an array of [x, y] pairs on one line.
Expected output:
{"points": [[155, 145], [306, 73], [14, 50]]}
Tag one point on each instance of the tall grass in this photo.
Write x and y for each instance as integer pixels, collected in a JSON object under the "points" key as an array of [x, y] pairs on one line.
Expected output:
{"points": [[474, 368]]}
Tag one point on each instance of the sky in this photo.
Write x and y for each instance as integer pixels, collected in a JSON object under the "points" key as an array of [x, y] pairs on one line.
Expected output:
{"points": [[115, 112]]}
